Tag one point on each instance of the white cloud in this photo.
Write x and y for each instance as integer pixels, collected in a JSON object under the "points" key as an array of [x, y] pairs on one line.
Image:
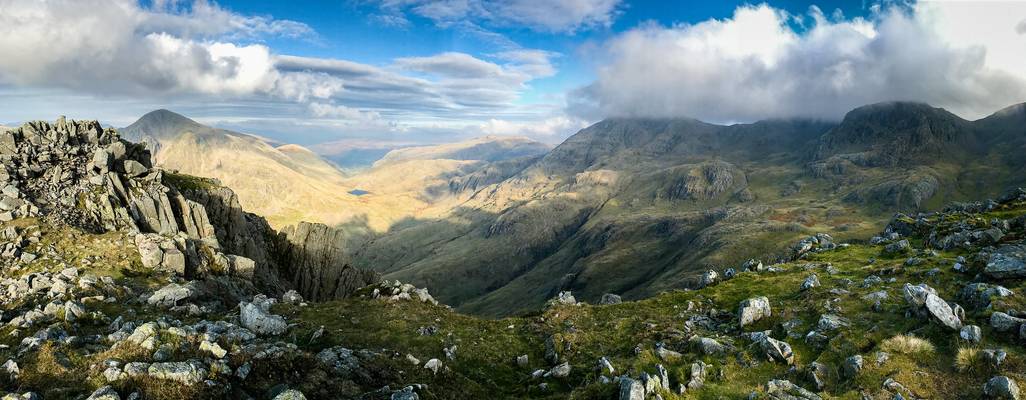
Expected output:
{"points": [[755, 65], [559, 16], [342, 112], [553, 127], [189, 52], [117, 46]]}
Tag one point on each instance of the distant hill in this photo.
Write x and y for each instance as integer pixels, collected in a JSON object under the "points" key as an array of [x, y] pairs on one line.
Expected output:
{"points": [[637, 206], [487, 148], [290, 183], [286, 184]]}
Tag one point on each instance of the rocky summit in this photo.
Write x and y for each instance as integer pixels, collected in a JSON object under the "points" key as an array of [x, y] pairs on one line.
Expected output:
{"points": [[121, 280]]}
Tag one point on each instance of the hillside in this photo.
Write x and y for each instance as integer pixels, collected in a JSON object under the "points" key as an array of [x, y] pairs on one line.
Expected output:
{"points": [[289, 183], [286, 185], [639, 206], [148, 284]]}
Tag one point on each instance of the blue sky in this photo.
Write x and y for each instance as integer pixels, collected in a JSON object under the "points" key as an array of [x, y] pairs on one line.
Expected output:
{"points": [[364, 73]]}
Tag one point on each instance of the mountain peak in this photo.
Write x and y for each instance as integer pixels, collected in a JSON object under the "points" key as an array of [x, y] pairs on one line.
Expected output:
{"points": [[160, 124]]}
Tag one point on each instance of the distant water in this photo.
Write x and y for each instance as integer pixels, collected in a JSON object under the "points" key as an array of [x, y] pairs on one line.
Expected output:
{"points": [[358, 192]]}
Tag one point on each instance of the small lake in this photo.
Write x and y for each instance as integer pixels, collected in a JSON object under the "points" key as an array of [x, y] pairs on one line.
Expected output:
{"points": [[358, 192]]}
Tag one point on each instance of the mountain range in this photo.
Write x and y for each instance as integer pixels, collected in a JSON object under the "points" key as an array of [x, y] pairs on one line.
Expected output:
{"points": [[631, 206], [122, 278]]}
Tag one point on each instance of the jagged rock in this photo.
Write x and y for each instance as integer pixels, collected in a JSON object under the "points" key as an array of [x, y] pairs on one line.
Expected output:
{"points": [[753, 309], [1001, 387], [898, 247], [777, 350], [652, 382], [810, 282], [610, 298], [830, 322], [706, 346], [291, 297], [213, 348], [631, 389], [852, 366], [406, 394], [971, 333], [994, 356], [1002, 322], [171, 294], [979, 295], [664, 376], [606, 366], [256, 316], [551, 352], [434, 365], [667, 355], [559, 371], [924, 297], [708, 278], [290, 394], [778, 389], [817, 372], [320, 267], [10, 368], [696, 376], [104, 393]]}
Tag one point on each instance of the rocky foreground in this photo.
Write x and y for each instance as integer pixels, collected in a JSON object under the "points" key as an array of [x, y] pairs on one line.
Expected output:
{"points": [[119, 280]]}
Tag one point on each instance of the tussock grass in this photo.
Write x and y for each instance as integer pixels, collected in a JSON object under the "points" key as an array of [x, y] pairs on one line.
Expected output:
{"points": [[969, 360], [908, 344]]}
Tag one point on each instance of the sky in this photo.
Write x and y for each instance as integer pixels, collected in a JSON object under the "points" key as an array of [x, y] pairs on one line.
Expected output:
{"points": [[335, 74]]}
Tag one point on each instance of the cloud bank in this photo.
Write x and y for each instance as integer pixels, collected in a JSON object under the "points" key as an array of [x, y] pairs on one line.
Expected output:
{"points": [[966, 57], [197, 52], [553, 16]]}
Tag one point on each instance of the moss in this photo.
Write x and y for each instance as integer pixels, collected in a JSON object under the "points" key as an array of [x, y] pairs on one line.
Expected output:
{"points": [[188, 182]]}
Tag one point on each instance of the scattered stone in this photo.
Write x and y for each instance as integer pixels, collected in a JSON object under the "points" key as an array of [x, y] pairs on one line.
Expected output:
{"points": [[559, 371], [971, 333], [610, 298], [777, 350], [852, 366], [105, 393], [1002, 322], [290, 394], [631, 389], [779, 389], [256, 316], [810, 282], [753, 309], [898, 247], [434, 365], [1001, 388]]}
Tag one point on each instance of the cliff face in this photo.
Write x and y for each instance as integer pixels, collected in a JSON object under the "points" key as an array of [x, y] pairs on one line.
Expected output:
{"points": [[317, 264]]}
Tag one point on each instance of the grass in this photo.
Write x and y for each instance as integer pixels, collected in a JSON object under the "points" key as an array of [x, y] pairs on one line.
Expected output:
{"points": [[908, 345]]}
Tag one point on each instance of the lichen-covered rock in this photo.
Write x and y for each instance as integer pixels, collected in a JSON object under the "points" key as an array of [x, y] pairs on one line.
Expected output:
{"points": [[1001, 388], [1007, 262], [1002, 322], [631, 389], [753, 309], [188, 373], [777, 350], [256, 316]]}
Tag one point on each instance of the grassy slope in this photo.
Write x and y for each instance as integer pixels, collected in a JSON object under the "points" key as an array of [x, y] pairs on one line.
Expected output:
{"points": [[487, 348]]}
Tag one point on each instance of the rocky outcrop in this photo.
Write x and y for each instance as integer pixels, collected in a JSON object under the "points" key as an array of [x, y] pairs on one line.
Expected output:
{"points": [[316, 263], [704, 181]]}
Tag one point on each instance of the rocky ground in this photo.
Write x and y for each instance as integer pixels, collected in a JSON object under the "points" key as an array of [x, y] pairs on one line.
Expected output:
{"points": [[105, 305]]}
